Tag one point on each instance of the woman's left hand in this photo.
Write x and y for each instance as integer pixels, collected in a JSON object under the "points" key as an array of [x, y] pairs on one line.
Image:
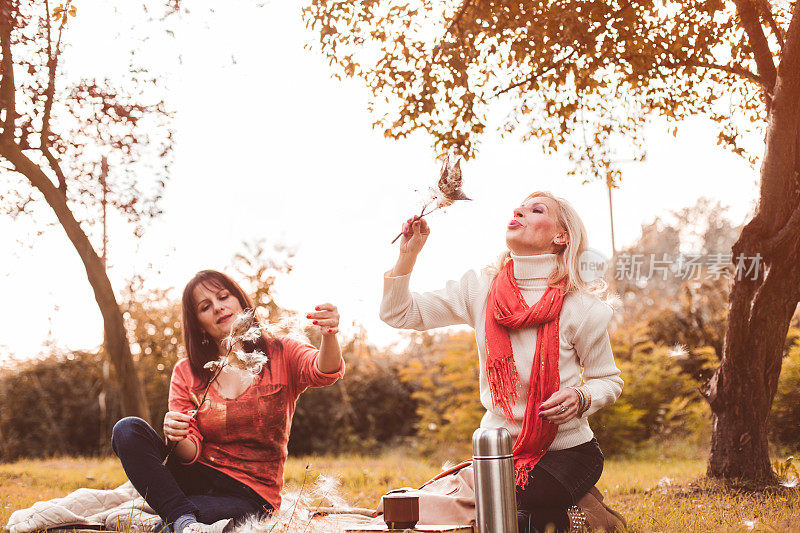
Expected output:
{"points": [[561, 407], [326, 316]]}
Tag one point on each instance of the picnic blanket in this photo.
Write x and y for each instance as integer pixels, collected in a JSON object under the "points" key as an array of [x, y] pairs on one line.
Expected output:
{"points": [[123, 509], [449, 498], [119, 509]]}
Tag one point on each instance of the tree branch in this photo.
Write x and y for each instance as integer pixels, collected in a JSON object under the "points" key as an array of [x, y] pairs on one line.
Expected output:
{"points": [[780, 168], [457, 17], [789, 232], [758, 44], [788, 97], [692, 62], [790, 59], [730, 69], [7, 100], [766, 10], [44, 140], [116, 343], [535, 76], [56, 167]]}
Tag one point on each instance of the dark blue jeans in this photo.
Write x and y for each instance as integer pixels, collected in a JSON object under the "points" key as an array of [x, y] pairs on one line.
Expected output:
{"points": [[177, 489]]}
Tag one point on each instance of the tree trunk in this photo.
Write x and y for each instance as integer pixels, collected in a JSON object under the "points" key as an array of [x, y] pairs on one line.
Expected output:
{"points": [[134, 401], [742, 389]]}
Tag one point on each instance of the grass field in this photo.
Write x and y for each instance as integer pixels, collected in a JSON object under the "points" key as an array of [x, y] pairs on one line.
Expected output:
{"points": [[654, 493]]}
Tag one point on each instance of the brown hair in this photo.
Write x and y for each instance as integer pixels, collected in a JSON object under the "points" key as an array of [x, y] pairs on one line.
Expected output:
{"points": [[200, 347]]}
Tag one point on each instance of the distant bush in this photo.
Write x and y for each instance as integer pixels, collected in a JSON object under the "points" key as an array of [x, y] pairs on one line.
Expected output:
{"points": [[659, 401], [367, 409], [56, 405], [784, 419], [442, 370]]}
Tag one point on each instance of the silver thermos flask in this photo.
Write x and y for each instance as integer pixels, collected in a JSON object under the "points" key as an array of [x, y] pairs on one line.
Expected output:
{"points": [[495, 493]]}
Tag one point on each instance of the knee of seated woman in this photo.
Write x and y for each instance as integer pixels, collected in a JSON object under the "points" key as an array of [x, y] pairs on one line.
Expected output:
{"points": [[124, 429]]}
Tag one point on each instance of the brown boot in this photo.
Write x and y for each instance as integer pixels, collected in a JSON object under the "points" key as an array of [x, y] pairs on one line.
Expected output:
{"points": [[599, 515]]}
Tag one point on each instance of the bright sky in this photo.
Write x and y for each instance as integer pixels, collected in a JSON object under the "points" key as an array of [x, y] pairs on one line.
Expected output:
{"points": [[271, 147]]}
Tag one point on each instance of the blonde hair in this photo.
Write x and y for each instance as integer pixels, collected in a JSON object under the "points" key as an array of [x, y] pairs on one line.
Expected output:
{"points": [[568, 257]]}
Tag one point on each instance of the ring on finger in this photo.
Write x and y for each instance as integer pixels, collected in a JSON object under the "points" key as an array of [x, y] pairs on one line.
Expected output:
{"points": [[562, 408]]}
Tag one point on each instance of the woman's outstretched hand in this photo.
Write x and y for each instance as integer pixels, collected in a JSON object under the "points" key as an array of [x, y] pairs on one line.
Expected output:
{"points": [[561, 407], [415, 233], [326, 316]]}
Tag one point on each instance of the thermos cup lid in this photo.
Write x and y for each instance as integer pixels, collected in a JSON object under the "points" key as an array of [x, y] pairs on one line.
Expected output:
{"points": [[491, 443]]}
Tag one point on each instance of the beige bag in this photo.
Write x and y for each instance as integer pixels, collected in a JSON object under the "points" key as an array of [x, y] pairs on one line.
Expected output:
{"points": [[448, 499]]}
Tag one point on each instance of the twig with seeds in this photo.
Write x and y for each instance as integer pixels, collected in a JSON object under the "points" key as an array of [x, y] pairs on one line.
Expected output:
{"points": [[244, 328], [448, 190]]}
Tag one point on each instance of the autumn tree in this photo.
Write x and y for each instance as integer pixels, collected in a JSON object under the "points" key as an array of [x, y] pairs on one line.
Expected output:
{"points": [[675, 278], [153, 321], [79, 148], [584, 77], [443, 371], [260, 264]]}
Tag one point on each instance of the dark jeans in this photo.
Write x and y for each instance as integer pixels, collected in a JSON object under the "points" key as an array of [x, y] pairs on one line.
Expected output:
{"points": [[177, 489], [559, 479]]}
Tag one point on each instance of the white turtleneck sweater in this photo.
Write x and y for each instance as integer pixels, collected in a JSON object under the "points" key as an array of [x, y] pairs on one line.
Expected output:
{"points": [[583, 335]]}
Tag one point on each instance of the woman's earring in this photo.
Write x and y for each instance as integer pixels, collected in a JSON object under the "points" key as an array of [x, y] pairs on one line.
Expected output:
{"points": [[205, 340]]}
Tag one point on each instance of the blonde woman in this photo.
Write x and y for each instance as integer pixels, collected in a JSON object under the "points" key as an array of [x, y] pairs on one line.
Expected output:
{"points": [[545, 357]]}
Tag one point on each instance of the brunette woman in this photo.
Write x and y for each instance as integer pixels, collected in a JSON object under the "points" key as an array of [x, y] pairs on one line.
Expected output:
{"points": [[230, 453]]}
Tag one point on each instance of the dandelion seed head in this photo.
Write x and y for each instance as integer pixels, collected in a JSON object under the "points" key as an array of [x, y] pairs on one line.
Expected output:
{"points": [[298, 511], [677, 351], [438, 198], [241, 325], [253, 362], [289, 326], [326, 489], [325, 484], [441, 203], [614, 301], [789, 483], [749, 524], [252, 334], [212, 364]]}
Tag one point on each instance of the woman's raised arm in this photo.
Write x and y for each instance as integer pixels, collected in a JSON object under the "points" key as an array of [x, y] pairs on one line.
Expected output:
{"points": [[401, 308]]}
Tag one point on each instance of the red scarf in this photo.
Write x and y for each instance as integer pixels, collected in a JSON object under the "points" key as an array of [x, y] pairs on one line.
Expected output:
{"points": [[507, 309]]}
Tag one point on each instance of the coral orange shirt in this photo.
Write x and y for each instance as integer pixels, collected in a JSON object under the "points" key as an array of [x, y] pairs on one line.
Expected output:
{"points": [[246, 437]]}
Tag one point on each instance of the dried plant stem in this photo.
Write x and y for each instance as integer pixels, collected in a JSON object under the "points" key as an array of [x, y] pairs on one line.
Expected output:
{"points": [[217, 372], [312, 514], [297, 501], [419, 217]]}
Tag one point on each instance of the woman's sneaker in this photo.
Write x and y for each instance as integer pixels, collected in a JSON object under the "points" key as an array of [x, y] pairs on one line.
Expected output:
{"points": [[216, 527]]}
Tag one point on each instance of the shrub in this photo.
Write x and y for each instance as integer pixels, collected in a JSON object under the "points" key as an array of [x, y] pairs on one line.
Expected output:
{"points": [[443, 371], [784, 420], [53, 406], [369, 408], [658, 401]]}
